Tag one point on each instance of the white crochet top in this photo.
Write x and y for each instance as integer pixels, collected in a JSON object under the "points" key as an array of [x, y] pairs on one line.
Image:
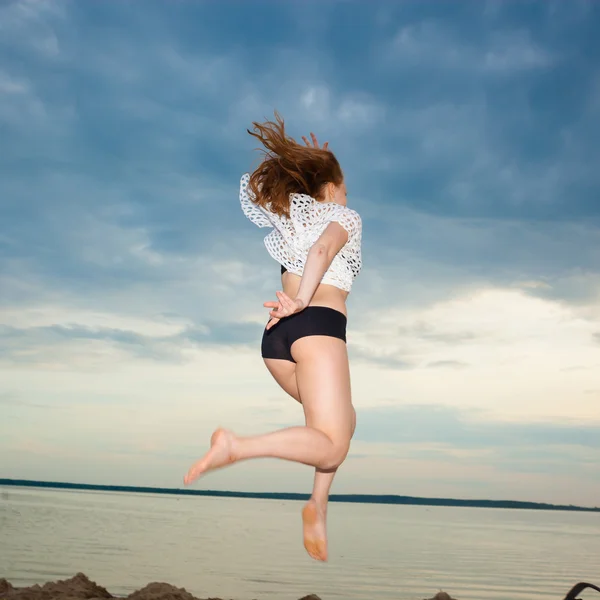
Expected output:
{"points": [[292, 237]]}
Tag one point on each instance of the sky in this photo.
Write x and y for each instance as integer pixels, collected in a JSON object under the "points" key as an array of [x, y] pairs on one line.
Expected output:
{"points": [[131, 284]]}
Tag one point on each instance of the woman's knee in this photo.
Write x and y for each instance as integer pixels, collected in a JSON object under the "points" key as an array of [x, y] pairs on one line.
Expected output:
{"points": [[336, 456]]}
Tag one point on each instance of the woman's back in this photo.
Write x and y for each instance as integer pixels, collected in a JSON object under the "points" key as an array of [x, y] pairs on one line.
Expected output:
{"points": [[292, 237], [325, 294]]}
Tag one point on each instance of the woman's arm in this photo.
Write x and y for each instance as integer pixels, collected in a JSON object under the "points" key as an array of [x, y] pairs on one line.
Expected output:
{"points": [[319, 258]]}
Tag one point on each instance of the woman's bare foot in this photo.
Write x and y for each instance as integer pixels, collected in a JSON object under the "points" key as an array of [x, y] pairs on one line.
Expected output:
{"points": [[315, 531], [221, 454]]}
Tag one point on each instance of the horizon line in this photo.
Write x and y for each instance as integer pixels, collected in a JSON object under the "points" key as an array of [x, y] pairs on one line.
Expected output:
{"points": [[349, 498]]}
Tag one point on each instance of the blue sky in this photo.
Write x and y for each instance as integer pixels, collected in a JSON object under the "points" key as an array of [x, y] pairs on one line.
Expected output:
{"points": [[132, 284]]}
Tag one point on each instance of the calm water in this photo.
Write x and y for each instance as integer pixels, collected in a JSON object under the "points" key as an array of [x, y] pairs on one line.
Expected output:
{"points": [[245, 549]]}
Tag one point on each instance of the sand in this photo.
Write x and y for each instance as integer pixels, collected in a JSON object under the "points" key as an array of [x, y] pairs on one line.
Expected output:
{"points": [[81, 588]]}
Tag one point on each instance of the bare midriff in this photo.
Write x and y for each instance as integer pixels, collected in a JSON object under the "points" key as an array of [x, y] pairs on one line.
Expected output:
{"points": [[325, 295]]}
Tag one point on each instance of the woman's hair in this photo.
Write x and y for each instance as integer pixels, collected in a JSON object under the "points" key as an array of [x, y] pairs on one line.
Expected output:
{"points": [[289, 168]]}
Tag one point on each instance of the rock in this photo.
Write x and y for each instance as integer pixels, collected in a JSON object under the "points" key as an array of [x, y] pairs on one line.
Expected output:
{"points": [[442, 596], [81, 588], [78, 587], [5, 587], [161, 591]]}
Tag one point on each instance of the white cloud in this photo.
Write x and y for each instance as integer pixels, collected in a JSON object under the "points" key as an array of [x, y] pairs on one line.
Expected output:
{"points": [[316, 99], [431, 44], [516, 347], [30, 24], [19, 103], [11, 85], [514, 51], [48, 315], [340, 114], [361, 112]]}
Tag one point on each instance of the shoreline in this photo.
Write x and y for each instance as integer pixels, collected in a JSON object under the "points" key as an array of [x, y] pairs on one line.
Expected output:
{"points": [[346, 498], [80, 587]]}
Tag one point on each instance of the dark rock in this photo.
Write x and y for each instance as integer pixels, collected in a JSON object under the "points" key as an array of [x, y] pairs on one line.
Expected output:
{"points": [[161, 591], [81, 588], [5, 587], [78, 587]]}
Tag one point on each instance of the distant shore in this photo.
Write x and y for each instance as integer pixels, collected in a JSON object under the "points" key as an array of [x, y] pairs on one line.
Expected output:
{"points": [[349, 498]]}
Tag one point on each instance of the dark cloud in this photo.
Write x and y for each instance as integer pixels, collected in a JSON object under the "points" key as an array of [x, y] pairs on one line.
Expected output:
{"points": [[396, 360], [426, 331], [389, 359], [227, 333], [462, 429], [468, 142], [32, 343], [452, 364]]}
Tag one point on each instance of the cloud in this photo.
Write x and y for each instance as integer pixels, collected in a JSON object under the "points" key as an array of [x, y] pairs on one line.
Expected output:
{"points": [[45, 344], [462, 429], [444, 435], [387, 359], [426, 331], [9, 85], [131, 279], [431, 44], [32, 20], [514, 52], [471, 323], [451, 364]]}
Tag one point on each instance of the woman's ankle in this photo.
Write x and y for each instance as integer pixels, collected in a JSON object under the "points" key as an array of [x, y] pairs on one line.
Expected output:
{"points": [[319, 502]]}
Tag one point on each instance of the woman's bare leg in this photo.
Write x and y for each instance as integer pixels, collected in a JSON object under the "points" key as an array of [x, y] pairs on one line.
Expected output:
{"points": [[323, 382], [305, 350], [314, 514], [284, 373]]}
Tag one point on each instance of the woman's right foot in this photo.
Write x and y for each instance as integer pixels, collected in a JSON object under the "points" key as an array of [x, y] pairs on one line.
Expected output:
{"points": [[315, 530], [221, 454]]}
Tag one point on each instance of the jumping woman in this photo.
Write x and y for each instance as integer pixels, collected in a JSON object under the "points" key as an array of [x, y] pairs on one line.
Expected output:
{"points": [[299, 192]]}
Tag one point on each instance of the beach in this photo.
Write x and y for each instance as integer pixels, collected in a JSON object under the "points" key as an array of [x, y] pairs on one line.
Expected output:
{"points": [[80, 587]]}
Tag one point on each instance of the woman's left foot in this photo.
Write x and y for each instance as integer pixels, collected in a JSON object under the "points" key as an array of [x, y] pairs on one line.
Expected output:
{"points": [[221, 454], [314, 530]]}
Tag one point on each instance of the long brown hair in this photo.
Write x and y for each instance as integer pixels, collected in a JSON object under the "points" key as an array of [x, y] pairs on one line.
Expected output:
{"points": [[289, 168]]}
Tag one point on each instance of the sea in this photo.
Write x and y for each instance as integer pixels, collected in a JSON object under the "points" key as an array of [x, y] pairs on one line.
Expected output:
{"points": [[246, 549]]}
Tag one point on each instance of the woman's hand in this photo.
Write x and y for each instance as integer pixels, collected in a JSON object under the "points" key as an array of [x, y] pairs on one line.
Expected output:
{"points": [[313, 137], [283, 308]]}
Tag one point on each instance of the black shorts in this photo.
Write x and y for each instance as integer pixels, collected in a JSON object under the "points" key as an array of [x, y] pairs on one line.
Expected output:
{"points": [[313, 320]]}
